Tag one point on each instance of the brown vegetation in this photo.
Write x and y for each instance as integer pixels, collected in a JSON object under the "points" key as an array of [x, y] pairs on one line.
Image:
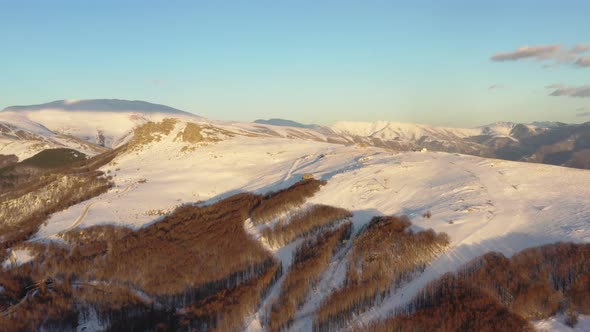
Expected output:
{"points": [[7, 160], [225, 310], [200, 248], [151, 132], [304, 222], [310, 259], [384, 256], [37, 194], [196, 255], [495, 293], [274, 204], [458, 306]]}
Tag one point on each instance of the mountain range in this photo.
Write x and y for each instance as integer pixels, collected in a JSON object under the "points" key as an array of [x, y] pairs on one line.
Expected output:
{"points": [[108, 123], [115, 219]]}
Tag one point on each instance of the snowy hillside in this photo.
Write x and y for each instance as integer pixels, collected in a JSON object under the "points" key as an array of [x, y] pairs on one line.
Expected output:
{"points": [[105, 122], [387, 130], [24, 138], [110, 122], [482, 204]]}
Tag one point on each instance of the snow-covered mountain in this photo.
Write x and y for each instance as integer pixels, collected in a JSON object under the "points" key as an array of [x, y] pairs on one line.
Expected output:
{"points": [[387, 130], [110, 122], [105, 122], [98, 105], [482, 204], [22, 137], [286, 123]]}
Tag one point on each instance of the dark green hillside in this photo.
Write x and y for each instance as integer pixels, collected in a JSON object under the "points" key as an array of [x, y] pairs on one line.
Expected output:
{"points": [[54, 158]]}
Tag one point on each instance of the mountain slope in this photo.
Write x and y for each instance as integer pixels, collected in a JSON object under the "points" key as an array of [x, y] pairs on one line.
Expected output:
{"points": [[98, 105], [105, 122], [566, 145], [110, 123], [23, 138], [482, 204], [286, 123]]}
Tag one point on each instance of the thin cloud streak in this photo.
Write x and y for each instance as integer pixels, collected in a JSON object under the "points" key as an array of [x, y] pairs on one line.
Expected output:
{"points": [[542, 52], [496, 87], [556, 53], [560, 90]]}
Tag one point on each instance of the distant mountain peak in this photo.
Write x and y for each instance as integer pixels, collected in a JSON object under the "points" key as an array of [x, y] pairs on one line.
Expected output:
{"points": [[98, 105], [285, 123]]}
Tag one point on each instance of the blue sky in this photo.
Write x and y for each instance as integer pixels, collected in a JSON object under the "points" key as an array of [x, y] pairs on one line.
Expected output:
{"points": [[310, 61]]}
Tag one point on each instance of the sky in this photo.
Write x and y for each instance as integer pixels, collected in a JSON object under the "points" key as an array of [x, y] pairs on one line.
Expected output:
{"points": [[448, 63]]}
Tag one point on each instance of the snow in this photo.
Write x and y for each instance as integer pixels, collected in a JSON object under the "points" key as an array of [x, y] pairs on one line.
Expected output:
{"points": [[89, 322], [112, 119], [398, 130], [23, 137], [17, 257], [114, 126], [556, 324], [21, 121], [483, 204]]}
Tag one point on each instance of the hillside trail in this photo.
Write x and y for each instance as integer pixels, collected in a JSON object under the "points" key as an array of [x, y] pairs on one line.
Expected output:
{"points": [[78, 221], [84, 213]]}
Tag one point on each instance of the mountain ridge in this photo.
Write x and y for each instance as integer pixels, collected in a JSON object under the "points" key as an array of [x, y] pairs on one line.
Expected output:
{"points": [[94, 105], [110, 122]]}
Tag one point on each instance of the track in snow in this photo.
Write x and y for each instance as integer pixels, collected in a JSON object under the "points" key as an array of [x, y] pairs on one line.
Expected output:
{"points": [[84, 213], [78, 221], [292, 169]]}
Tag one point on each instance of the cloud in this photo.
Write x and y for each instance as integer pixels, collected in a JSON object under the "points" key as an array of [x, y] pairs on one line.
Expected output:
{"points": [[555, 53], [580, 109], [583, 114], [538, 52], [496, 87], [560, 90]]}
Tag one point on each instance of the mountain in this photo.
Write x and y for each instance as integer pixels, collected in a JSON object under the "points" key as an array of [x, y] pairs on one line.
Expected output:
{"points": [[542, 142], [104, 122], [286, 123], [411, 136], [110, 122], [563, 145], [22, 138], [98, 105], [219, 224]]}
